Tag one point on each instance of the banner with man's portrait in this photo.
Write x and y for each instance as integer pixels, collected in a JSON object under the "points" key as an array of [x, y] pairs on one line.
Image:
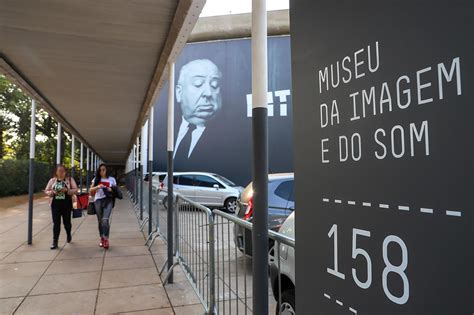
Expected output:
{"points": [[213, 102]]}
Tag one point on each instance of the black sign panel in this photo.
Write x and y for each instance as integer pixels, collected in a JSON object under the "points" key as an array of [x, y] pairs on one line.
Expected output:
{"points": [[384, 156], [218, 73]]}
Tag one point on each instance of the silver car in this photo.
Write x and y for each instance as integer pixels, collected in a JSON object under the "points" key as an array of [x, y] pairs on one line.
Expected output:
{"points": [[281, 203], [286, 271], [208, 189]]}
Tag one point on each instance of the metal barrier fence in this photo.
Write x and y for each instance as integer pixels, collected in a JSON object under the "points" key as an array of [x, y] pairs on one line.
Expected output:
{"points": [[195, 248], [213, 248], [234, 266]]}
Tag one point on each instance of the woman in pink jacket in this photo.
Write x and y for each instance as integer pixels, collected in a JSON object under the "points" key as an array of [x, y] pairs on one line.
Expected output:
{"points": [[61, 188]]}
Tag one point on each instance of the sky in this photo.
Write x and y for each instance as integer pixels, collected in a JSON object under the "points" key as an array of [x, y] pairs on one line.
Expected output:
{"points": [[223, 7]]}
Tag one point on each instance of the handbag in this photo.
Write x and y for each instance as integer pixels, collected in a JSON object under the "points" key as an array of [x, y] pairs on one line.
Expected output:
{"points": [[117, 193], [91, 209], [76, 213]]}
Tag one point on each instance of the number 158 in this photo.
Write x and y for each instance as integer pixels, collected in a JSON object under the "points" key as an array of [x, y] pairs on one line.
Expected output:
{"points": [[389, 267]]}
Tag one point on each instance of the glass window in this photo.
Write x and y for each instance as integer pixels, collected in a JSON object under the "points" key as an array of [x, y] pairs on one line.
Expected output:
{"points": [[285, 190], [186, 180], [225, 180], [206, 181], [175, 179]]}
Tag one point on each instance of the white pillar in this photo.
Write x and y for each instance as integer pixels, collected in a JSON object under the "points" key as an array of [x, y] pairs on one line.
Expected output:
{"points": [[81, 156], [170, 142], [150, 134], [260, 157], [58, 144], [73, 150], [144, 147], [33, 129], [132, 162], [150, 171], [259, 54], [170, 147], [31, 184]]}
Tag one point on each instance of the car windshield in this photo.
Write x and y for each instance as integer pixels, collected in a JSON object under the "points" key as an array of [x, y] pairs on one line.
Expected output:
{"points": [[225, 180]]}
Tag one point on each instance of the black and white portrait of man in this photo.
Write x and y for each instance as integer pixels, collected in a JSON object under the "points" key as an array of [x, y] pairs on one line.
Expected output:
{"points": [[212, 126], [199, 97]]}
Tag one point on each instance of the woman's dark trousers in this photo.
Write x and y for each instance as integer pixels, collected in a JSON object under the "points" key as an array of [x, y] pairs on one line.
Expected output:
{"points": [[57, 213]]}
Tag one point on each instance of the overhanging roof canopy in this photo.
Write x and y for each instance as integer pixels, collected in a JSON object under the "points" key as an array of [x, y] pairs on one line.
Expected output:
{"points": [[96, 66]]}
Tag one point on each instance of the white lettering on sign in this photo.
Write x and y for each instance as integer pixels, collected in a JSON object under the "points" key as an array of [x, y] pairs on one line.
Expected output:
{"points": [[281, 95], [396, 142], [390, 267], [324, 114], [449, 77], [422, 86], [364, 60]]}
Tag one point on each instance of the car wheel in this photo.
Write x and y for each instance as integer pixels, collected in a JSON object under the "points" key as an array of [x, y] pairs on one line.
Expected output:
{"points": [[230, 205], [288, 306]]}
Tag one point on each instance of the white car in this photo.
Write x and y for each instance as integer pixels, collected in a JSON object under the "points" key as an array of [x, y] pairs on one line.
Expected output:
{"points": [[287, 270], [208, 189]]}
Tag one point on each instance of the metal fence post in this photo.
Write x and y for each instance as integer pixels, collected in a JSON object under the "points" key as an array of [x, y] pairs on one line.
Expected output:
{"points": [[212, 267]]}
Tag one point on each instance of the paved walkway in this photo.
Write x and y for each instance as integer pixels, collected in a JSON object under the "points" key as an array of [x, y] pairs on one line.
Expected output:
{"points": [[80, 277]]}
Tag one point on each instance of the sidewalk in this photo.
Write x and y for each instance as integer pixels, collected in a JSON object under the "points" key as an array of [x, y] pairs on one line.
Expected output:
{"points": [[80, 277]]}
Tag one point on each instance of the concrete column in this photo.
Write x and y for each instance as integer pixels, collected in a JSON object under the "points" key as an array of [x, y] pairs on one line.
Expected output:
{"points": [[170, 147], [58, 144], [260, 157], [31, 184]]}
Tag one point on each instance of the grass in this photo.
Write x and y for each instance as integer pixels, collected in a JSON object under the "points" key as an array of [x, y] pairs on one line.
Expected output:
{"points": [[13, 201]]}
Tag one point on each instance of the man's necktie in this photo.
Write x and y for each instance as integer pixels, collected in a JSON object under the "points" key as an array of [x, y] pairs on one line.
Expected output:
{"points": [[185, 144]]}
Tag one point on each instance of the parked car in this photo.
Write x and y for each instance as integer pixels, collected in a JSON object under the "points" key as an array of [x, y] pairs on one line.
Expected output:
{"points": [[281, 203], [157, 177], [208, 189], [287, 271]]}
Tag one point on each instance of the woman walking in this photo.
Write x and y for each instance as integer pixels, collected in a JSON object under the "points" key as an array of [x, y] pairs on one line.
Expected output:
{"points": [[103, 201], [61, 188]]}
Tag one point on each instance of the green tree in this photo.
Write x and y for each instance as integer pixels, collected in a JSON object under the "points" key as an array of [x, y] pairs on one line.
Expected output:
{"points": [[15, 120], [15, 113]]}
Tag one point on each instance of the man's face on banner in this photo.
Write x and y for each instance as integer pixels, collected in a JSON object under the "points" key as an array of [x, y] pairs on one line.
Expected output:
{"points": [[198, 91]]}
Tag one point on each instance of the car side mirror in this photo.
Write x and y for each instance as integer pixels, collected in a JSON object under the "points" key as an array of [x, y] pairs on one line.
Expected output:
{"points": [[216, 186]]}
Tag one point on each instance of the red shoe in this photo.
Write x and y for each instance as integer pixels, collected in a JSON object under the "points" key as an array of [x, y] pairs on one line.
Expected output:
{"points": [[106, 243], [101, 244]]}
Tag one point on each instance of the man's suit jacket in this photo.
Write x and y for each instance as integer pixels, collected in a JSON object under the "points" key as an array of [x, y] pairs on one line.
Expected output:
{"points": [[213, 152]]}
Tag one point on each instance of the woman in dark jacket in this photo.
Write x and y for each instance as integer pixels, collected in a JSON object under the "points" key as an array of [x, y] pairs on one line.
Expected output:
{"points": [[61, 188]]}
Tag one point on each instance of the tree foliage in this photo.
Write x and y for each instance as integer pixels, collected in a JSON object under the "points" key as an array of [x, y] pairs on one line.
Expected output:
{"points": [[15, 120]]}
